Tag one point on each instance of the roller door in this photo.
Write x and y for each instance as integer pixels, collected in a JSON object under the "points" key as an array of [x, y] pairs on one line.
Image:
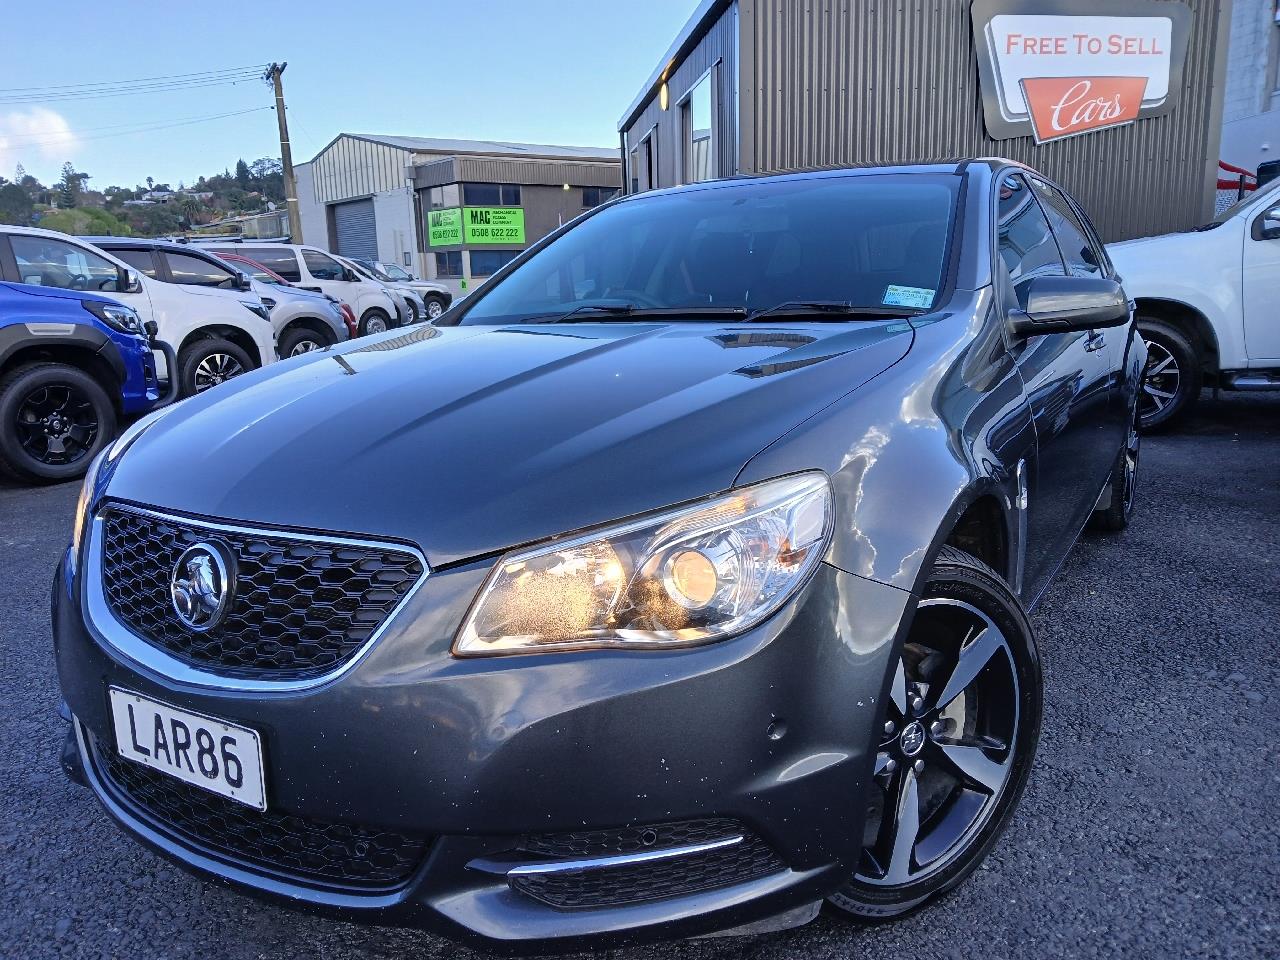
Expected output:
{"points": [[356, 229]]}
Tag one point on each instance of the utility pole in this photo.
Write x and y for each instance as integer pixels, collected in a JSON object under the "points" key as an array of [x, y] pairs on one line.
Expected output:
{"points": [[272, 76]]}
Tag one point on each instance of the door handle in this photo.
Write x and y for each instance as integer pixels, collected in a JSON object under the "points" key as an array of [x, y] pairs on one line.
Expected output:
{"points": [[1096, 341]]}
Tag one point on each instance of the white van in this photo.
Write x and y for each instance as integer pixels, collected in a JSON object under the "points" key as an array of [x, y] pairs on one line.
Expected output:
{"points": [[216, 332], [313, 269]]}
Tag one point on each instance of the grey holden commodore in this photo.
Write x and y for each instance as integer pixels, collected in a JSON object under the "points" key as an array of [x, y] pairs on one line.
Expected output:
{"points": [[675, 582]]}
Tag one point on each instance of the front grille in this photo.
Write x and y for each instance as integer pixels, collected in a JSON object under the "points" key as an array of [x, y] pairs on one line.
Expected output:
{"points": [[300, 607], [609, 886], [295, 846]]}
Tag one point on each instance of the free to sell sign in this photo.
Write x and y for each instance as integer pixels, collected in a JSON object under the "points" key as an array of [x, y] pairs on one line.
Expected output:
{"points": [[1058, 68], [444, 227], [493, 224]]}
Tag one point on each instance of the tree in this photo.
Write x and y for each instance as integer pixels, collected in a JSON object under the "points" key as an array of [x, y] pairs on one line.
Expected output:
{"points": [[242, 174], [70, 186], [20, 174], [150, 183], [15, 205]]}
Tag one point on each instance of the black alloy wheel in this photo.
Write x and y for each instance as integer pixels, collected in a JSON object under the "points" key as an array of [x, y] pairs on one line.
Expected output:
{"points": [[1172, 377], [55, 419], [956, 747]]}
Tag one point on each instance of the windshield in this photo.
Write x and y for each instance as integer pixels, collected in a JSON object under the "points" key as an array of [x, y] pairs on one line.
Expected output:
{"points": [[868, 241], [1246, 200], [394, 272]]}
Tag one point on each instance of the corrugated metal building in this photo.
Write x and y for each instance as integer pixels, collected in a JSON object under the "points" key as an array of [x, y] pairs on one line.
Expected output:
{"points": [[763, 86], [452, 210]]}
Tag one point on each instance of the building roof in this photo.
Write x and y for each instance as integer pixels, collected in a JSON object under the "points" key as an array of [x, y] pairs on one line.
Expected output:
{"points": [[485, 147]]}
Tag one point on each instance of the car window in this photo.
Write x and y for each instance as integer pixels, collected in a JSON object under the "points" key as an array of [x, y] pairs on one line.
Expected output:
{"points": [[199, 272], [1025, 241], [140, 260], [280, 260], [321, 267], [49, 262], [1082, 256], [395, 272], [873, 240]]}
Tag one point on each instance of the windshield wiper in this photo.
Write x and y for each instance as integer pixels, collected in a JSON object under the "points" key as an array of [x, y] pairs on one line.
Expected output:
{"points": [[836, 309], [593, 312]]}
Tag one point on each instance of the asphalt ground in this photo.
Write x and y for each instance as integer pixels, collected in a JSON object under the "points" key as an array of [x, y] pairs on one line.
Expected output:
{"points": [[1150, 828]]}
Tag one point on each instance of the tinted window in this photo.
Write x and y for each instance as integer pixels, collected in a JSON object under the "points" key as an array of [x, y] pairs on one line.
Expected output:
{"points": [[1026, 244], [594, 196], [449, 263], [485, 263], [280, 260], [322, 267], [873, 240], [185, 268], [491, 194], [1082, 258], [48, 262], [140, 260]]}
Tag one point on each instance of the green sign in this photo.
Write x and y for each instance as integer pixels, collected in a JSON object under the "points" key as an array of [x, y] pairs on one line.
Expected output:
{"points": [[444, 227], [493, 225]]}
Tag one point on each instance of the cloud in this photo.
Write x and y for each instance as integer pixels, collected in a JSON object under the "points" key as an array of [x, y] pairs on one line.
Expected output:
{"points": [[29, 136]]}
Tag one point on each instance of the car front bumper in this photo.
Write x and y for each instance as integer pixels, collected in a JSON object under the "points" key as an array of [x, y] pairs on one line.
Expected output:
{"points": [[772, 730]]}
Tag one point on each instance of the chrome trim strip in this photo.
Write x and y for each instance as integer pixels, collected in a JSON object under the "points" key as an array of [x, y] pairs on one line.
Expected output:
{"points": [[622, 860], [114, 635]]}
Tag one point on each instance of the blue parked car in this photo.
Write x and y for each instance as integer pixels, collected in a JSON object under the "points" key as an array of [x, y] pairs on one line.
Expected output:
{"points": [[72, 365]]}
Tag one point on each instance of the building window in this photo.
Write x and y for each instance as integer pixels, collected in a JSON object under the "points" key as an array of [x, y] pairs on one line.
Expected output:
{"points": [[440, 198], [697, 117], [594, 196], [485, 263], [449, 263], [644, 163], [491, 194]]}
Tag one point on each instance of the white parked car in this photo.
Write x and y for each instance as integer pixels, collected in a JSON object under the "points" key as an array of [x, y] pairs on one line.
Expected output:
{"points": [[408, 303], [435, 295], [314, 269], [215, 331], [1207, 306]]}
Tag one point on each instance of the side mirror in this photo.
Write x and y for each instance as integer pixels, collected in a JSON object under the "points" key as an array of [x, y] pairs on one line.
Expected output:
{"points": [[242, 281], [1267, 225], [1064, 304], [129, 281]]}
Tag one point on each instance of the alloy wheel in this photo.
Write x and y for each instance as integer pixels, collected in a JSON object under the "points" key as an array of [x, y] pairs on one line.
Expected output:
{"points": [[947, 748], [215, 369], [56, 425], [1160, 380], [434, 309], [305, 346], [375, 325]]}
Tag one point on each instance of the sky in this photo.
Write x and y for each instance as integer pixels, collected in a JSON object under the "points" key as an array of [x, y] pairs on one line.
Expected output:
{"points": [[542, 71]]}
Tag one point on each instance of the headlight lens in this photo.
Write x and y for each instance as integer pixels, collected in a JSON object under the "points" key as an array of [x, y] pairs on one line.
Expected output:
{"points": [[682, 577], [116, 315], [257, 308]]}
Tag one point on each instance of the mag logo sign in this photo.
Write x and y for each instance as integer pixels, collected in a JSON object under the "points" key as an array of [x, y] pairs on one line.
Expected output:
{"points": [[1059, 68]]}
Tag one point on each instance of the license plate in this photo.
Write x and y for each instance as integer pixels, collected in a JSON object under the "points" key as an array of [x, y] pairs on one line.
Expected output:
{"points": [[220, 757]]}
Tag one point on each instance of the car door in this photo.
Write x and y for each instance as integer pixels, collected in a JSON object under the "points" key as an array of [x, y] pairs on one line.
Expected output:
{"points": [[1083, 255], [54, 262], [1261, 281], [1059, 374]]}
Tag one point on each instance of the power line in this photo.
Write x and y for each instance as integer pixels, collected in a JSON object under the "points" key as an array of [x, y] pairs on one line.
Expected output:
{"points": [[130, 91], [148, 128], [252, 68]]}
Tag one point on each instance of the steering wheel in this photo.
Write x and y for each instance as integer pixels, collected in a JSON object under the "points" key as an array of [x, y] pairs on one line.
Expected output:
{"points": [[636, 297], [79, 281]]}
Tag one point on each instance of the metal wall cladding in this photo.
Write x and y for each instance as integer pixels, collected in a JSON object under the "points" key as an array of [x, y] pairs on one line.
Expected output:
{"points": [[719, 46], [353, 167], [835, 82]]}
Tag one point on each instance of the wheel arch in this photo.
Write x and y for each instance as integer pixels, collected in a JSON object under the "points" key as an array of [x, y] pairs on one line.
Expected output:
{"points": [[82, 357], [1190, 320], [313, 324], [221, 332]]}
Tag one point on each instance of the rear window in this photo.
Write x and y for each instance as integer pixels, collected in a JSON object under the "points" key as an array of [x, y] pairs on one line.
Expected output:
{"points": [[140, 260]]}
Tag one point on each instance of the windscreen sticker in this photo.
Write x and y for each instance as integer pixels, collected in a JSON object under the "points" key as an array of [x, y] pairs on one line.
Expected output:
{"points": [[897, 296]]}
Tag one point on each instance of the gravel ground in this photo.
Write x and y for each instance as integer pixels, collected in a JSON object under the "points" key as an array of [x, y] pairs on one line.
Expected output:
{"points": [[1149, 827]]}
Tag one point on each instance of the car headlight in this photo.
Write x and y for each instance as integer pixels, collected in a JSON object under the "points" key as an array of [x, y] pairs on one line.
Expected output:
{"points": [[116, 315], [681, 577], [257, 308]]}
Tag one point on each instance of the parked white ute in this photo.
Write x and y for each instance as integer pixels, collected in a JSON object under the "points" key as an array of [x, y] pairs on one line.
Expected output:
{"points": [[314, 269], [1207, 306], [217, 332]]}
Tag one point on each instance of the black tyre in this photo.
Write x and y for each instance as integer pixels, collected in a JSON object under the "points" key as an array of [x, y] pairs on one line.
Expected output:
{"points": [[206, 363], [413, 311], [54, 419], [1118, 510], [959, 738], [1171, 381], [299, 340], [374, 320], [435, 306]]}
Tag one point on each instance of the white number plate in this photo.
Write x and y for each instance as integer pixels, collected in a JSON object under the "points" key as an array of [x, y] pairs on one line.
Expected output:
{"points": [[221, 757]]}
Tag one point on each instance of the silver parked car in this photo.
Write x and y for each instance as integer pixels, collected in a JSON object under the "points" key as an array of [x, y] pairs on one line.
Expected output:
{"points": [[435, 295]]}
